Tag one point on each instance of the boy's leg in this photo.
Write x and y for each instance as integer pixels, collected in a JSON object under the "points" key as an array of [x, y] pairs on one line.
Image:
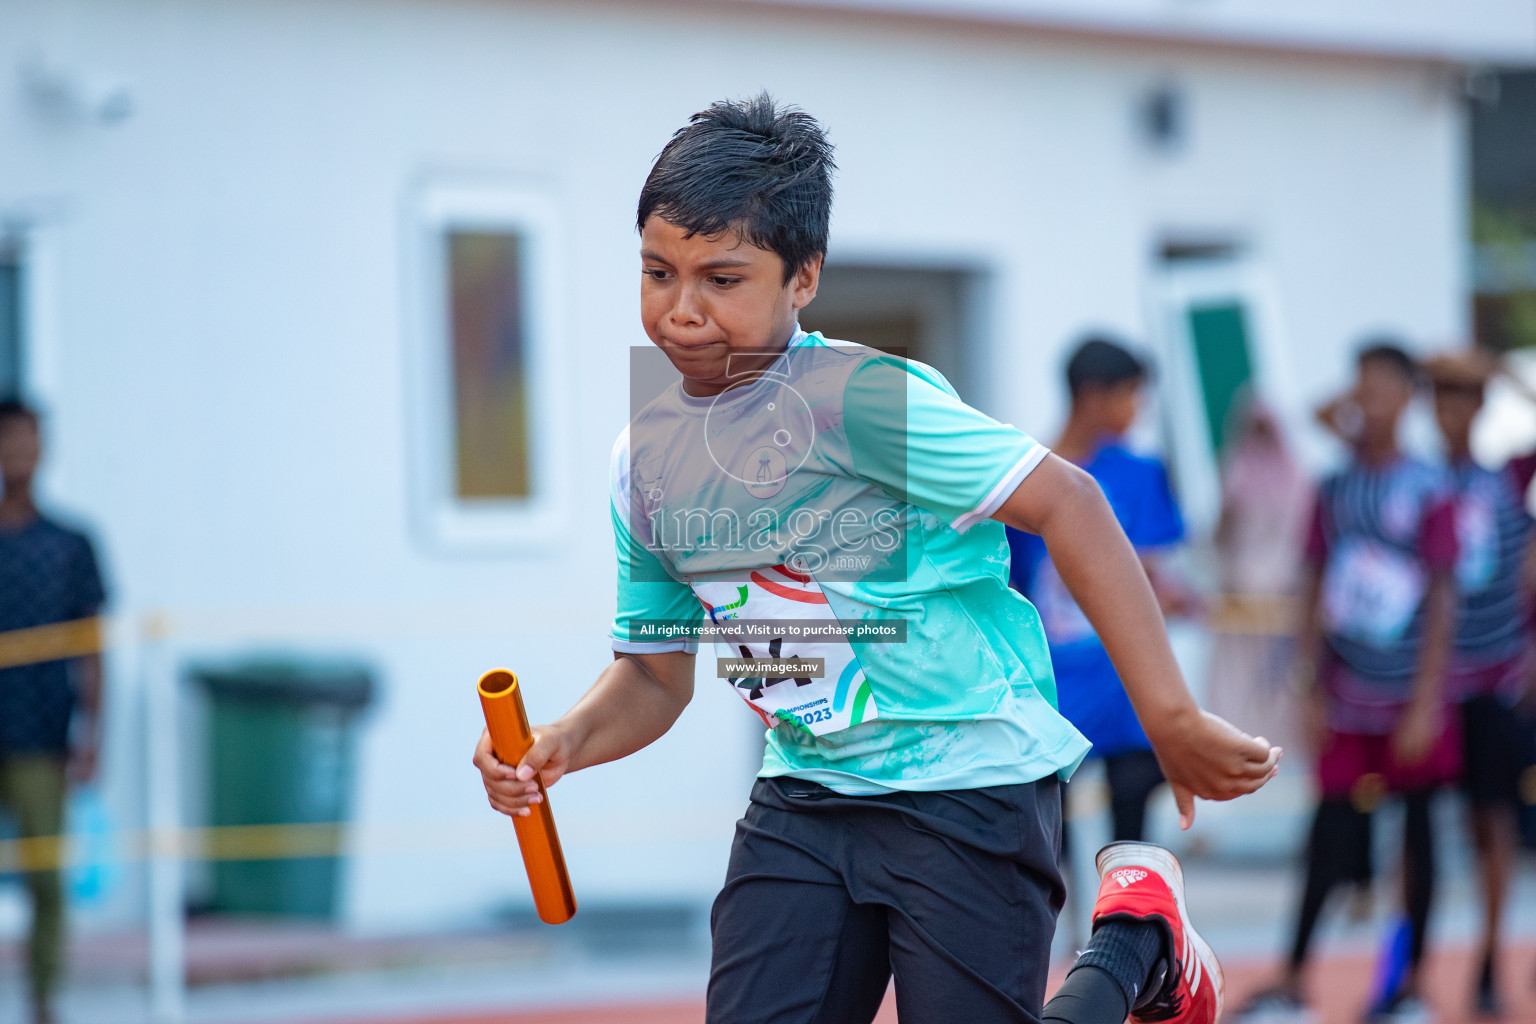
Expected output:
{"points": [[970, 881], [1132, 778], [35, 788], [1339, 841], [1417, 783], [1418, 873], [1495, 833], [1351, 774], [1338, 850], [1495, 747], [790, 943], [1112, 975]]}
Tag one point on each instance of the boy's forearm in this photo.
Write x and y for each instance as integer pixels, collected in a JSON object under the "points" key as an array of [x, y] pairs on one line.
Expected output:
{"points": [[1104, 575], [628, 708], [88, 685], [1439, 638], [1309, 633]]}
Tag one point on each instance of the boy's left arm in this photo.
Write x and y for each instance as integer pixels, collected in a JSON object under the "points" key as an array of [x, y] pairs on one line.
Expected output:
{"points": [[88, 596], [1201, 755], [85, 745], [1420, 726]]}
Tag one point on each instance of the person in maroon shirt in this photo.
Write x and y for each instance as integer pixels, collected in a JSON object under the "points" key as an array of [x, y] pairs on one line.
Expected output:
{"points": [[1378, 622]]}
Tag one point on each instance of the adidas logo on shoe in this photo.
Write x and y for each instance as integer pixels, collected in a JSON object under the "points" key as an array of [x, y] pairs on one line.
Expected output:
{"points": [[1128, 876]]}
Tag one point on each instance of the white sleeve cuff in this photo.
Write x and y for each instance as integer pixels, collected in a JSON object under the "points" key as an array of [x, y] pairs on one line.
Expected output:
{"points": [[1005, 487], [655, 646]]}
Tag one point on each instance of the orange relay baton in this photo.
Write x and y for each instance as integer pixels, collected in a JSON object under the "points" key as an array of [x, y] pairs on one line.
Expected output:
{"points": [[502, 700]]}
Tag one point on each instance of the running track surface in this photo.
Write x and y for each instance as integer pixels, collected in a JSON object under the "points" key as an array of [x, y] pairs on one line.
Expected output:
{"points": [[1340, 987]]}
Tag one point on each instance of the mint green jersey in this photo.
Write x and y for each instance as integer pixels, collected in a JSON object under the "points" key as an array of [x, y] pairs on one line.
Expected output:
{"points": [[835, 512]]}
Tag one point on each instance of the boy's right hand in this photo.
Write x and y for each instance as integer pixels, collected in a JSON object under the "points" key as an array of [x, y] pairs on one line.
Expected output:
{"points": [[1207, 757], [511, 788]]}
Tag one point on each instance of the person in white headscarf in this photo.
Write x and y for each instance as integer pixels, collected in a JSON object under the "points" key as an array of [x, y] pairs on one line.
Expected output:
{"points": [[1265, 498]]}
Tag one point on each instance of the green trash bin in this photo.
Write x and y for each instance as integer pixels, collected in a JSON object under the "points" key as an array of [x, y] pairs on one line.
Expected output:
{"points": [[282, 739]]}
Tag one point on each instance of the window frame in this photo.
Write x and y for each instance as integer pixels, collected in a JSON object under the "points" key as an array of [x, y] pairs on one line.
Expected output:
{"points": [[442, 519]]}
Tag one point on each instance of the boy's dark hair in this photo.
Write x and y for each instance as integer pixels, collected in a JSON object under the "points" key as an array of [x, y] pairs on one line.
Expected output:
{"points": [[1100, 362], [752, 167], [16, 409], [1388, 352]]}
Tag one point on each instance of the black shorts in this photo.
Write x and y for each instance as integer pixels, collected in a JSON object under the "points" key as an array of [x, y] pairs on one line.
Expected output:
{"points": [[1496, 750], [827, 896]]}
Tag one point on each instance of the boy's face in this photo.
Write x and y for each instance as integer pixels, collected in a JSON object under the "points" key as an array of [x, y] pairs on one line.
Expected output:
{"points": [[20, 449], [1113, 408], [714, 305], [1455, 409], [1382, 393]]}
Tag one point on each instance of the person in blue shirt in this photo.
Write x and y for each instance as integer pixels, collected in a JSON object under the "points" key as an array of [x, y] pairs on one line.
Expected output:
{"points": [[1106, 381]]}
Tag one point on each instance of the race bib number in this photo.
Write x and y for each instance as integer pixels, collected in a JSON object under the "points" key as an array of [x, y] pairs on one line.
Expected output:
{"points": [[1370, 593], [839, 699]]}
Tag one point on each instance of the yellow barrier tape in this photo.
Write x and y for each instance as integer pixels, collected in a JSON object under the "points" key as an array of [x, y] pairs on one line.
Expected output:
{"points": [[269, 842], [37, 853], [73, 639], [487, 832], [300, 840], [227, 842]]}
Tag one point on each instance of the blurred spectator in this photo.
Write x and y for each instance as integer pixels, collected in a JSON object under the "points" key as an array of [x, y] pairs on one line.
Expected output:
{"points": [[50, 721], [1378, 626], [1265, 500], [1494, 535], [1106, 381]]}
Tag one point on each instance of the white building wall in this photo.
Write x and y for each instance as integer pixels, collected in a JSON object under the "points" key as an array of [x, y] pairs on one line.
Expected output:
{"points": [[223, 332]]}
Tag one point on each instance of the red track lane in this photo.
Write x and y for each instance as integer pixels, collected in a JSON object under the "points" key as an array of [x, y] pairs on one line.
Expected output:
{"points": [[1339, 985]]}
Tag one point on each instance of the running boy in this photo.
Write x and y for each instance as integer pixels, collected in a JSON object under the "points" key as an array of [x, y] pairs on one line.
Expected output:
{"points": [[906, 817], [1378, 623], [1494, 535], [1105, 381]]}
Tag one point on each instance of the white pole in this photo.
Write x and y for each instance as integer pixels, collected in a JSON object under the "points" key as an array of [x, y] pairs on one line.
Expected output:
{"points": [[167, 935]]}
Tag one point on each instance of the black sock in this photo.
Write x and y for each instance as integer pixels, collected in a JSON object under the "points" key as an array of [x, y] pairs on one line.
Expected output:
{"points": [[1113, 974], [1418, 870], [1089, 995]]}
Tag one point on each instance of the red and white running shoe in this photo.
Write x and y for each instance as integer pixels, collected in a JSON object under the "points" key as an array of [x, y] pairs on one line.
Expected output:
{"points": [[1145, 881]]}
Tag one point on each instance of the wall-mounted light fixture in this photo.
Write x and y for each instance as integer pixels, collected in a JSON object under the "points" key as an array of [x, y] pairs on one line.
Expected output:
{"points": [[1162, 118], [75, 96]]}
